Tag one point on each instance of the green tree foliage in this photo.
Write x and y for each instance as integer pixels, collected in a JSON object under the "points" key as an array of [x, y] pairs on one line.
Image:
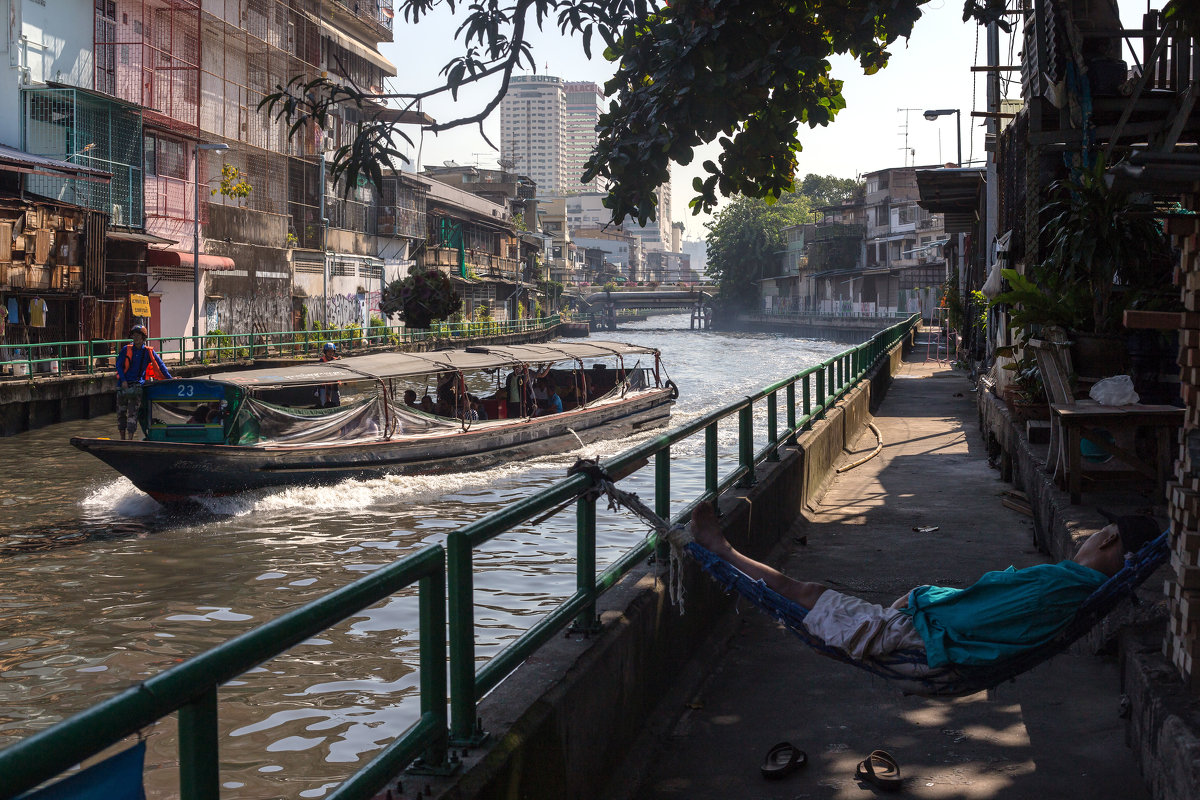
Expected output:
{"points": [[827, 190], [745, 74], [744, 243], [421, 298]]}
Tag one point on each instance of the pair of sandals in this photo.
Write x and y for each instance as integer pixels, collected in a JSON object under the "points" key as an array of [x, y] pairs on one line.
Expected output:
{"points": [[879, 768]]}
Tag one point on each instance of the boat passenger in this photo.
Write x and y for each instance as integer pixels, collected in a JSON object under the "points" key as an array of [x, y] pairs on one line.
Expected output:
{"points": [[553, 404], [329, 395], [480, 411], [410, 398], [136, 364], [427, 404], [515, 386]]}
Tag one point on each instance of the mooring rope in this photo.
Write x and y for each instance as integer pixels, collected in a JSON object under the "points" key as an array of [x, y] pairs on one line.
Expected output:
{"points": [[675, 535]]}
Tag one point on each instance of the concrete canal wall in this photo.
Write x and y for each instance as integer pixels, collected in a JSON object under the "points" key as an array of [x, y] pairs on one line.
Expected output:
{"points": [[1163, 726], [566, 720], [838, 329], [27, 403]]}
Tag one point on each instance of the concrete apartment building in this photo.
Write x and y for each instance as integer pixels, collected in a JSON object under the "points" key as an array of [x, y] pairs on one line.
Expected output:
{"points": [[584, 99], [133, 87], [533, 131], [904, 267]]}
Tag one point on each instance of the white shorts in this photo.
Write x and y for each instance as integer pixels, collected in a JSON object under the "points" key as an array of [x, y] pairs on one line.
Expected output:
{"points": [[861, 629]]}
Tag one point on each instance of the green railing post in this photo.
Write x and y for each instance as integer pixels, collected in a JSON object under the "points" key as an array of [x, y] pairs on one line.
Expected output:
{"points": [[746, 444], [772, 427], [585, 564], [465, 729], [791, 412], [821, 390], [662, 494], [807, 387], [199, 754], [710, 461], [431, 594]]}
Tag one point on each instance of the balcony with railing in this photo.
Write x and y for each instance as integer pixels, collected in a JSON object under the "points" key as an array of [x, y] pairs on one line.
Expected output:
{"points": [[479, 264], [375, 16]]}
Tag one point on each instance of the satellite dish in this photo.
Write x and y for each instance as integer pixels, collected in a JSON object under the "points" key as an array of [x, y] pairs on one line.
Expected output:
{"points": [[450, 163]]}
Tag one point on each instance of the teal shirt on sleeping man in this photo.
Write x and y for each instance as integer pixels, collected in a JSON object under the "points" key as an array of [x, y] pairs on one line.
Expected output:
{"points": [[1000, 615]]}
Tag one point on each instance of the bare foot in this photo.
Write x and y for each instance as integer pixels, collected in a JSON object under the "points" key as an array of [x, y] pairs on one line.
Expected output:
{"points": [[707, 531]]}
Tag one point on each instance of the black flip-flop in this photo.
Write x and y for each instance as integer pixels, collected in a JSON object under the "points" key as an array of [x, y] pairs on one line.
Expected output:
{"points": [[783, 759], [880, 769]]}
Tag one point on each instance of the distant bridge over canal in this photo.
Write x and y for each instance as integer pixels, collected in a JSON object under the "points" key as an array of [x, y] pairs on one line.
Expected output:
{"points": [[605, 304]]}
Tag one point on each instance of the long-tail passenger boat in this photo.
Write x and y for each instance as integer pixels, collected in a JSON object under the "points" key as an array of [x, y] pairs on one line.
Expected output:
{"points": [[279, 426]]}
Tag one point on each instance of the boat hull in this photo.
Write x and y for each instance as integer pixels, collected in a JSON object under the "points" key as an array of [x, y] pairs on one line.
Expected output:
{"points": [[173, 472]]}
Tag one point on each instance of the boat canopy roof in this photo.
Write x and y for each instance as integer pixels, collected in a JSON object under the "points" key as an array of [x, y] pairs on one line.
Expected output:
{"points": [[400, 365]]}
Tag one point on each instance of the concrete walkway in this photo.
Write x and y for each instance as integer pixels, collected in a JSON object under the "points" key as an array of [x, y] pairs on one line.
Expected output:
{"points": [[1054, 732]]}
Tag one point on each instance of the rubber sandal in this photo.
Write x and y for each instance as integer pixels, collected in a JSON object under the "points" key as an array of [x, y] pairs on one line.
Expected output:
{"points": [[880, 769], [782, 760]]}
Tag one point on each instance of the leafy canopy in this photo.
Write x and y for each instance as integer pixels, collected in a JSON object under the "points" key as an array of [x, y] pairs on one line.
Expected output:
{"points": [[746, 74], [421, 298], [744, 244]]}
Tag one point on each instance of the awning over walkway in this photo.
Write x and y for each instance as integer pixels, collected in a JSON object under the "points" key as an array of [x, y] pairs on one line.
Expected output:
{"points": [[953, 192], [145, 238], [178, 258]]}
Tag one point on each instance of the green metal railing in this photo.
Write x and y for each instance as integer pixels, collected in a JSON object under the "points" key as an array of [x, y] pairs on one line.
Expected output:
{"points": [[191, 687], [98, 355]]}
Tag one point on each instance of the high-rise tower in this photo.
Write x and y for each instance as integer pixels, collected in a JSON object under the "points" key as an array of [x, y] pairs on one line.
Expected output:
{"points": [[533, 124], [583, 114]]}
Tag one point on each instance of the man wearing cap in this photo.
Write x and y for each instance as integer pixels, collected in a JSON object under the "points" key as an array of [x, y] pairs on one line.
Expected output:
{"points": [[136, 364], [1000, 615]]}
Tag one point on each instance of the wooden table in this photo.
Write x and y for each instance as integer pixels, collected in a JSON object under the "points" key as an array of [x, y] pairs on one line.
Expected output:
{"points": [[1088, 418]]}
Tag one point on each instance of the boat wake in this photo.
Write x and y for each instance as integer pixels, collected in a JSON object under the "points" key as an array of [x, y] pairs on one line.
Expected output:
{"points": [[120, 498]]}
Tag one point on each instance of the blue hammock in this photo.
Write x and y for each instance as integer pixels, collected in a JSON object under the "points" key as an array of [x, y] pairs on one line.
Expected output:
{"points": [[949, 681]]}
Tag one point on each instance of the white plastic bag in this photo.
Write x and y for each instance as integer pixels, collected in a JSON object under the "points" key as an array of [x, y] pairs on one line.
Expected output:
{"points": [[1114, 391]]}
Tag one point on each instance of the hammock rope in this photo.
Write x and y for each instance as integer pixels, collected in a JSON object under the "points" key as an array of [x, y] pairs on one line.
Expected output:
{"points": [[948, 681]]}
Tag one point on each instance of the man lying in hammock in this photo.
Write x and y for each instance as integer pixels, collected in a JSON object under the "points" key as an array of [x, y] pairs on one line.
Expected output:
{"points": [[1000, 615]]}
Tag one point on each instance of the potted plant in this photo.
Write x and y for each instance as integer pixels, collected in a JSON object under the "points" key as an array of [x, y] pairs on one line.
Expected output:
{"points": [[1105, 253], [1025, 394]]}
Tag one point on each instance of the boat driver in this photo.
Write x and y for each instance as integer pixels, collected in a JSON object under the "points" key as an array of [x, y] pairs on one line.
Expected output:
{"points": [[136, 364]]}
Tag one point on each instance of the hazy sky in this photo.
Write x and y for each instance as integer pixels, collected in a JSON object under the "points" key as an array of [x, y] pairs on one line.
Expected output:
{"points": [[930, 70]]}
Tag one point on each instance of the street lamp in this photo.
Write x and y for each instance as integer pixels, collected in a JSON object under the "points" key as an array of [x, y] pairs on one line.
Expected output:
{"points": [[196, 245], [941, 112]]}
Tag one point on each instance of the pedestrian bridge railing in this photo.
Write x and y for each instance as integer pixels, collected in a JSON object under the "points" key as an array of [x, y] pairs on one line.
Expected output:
{"points": [[96, 355], [447, 628]]}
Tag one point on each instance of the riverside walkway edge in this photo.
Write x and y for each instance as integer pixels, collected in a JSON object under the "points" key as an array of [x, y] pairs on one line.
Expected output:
{"points": [[1054, 732]]}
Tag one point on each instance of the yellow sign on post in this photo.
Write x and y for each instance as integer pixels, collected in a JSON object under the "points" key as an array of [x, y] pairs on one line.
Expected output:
{"points": [[140, 305]]}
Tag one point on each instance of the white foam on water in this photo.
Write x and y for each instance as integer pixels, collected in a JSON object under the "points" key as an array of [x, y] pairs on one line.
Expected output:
{"points": [[356, 495], [121, 497]]}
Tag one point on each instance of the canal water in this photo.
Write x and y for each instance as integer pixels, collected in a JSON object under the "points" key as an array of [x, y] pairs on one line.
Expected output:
{"points": [[100, 588]]}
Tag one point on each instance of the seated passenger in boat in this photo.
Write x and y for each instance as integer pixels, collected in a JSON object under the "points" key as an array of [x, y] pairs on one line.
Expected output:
{"points": [[553, 403], [200, 415], [410, 398], [427, 404]]}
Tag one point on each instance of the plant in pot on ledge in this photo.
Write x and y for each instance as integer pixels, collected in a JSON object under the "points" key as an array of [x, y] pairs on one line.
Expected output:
{"points": [[1105, 253]]}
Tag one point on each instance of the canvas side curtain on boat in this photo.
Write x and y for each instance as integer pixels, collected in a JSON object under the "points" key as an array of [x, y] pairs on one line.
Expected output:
{"points": [[263, 423]]}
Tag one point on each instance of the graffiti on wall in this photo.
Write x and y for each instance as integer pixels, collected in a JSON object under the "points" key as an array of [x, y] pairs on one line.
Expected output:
{"points": [[345, 309]]}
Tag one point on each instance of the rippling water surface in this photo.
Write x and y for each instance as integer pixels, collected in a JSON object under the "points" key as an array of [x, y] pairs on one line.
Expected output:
{"points": [[100, 588]]}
